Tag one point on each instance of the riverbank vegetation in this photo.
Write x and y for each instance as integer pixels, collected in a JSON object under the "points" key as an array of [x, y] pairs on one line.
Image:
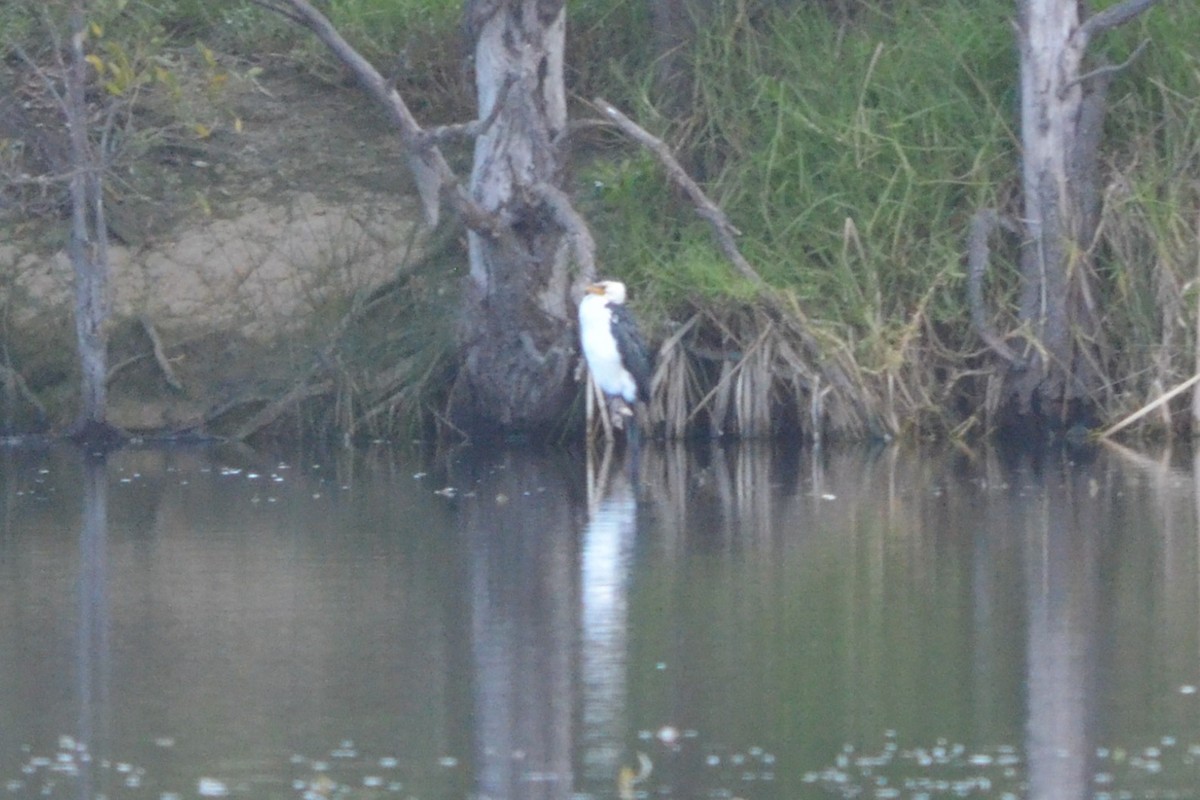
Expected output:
{"points": [[851, 144]]}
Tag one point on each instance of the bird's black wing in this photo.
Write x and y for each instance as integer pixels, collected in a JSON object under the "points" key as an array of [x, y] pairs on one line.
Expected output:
{"points": [[632, 348]]}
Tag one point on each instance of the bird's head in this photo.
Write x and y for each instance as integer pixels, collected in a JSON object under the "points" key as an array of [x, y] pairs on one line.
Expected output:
{"points": [[613, 291]]}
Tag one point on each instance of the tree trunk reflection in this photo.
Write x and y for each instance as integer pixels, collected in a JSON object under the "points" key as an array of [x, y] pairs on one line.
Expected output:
{"points": [[92, 655], [521, 529]]}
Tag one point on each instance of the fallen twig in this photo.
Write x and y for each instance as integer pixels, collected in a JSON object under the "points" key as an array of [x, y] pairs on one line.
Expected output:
{"points": [[1149, 407]]}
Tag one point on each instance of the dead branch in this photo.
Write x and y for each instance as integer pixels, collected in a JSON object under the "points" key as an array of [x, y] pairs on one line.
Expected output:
{"points": [[983, 223], [17, 382], [706, 208], [434, 176], [1108, 70], [277, 408], [573, 224], [468, 130], [1112, 17], [160, 354]]}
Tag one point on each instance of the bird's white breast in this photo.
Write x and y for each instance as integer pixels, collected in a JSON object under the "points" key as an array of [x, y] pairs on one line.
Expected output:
{"points": [[600, 349]]}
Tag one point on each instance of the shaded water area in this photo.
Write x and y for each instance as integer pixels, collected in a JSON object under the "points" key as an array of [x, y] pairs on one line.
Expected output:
{"points": [[730, 622]]}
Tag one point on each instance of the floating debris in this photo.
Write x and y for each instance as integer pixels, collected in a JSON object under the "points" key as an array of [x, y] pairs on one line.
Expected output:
{"points": [[667, 734], [345, 751], [211, 787]]}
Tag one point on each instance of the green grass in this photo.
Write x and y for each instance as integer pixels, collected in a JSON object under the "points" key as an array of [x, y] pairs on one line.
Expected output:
{"points": [[853, 156], [1150, 244], [848, 158]]}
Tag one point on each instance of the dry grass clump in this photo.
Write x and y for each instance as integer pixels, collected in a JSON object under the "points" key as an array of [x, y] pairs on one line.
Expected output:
{"points": [[758, 369], [1149, 245]]}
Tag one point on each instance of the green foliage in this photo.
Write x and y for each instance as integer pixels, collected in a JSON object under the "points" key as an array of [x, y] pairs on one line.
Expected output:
{"points": [[852, 153], [850, 159], [1149, 247], [608, 46]]}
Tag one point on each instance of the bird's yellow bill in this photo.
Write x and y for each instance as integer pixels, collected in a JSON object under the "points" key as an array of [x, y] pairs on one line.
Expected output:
{"points": [[595, 288]]}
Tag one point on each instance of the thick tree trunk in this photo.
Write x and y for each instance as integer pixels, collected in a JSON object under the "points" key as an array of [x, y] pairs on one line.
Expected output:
{"points": [[518, 338], [517, 332], [1053, 271], [1062, 117]]}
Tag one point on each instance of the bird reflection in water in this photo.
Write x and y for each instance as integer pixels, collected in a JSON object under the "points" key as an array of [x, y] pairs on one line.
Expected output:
{"points": [[549, 626], [605, 564]]}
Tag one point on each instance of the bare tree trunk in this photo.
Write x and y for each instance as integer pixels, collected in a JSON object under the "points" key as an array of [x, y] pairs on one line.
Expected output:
{"points": [[518, 337], [88, 248], [1051, 260], [1062, 115]]}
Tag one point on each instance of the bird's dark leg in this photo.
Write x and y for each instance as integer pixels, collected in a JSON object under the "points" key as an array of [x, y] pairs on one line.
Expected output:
{"points": [[619, 410]]}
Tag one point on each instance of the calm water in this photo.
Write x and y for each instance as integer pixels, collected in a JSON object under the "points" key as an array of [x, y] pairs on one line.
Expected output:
{"points": [[740, 622]]}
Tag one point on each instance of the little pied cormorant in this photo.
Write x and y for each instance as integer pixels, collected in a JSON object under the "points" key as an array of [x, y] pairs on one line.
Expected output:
{"points": [[614, 349]]}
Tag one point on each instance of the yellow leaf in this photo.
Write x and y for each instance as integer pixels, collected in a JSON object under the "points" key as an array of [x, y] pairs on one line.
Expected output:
{"points": [[237, 124], [114, 88], [209, 58], [97, 29], [202, 130], [96, 62]]}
